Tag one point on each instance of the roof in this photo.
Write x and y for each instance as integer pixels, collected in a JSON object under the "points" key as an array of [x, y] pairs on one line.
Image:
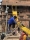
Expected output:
{"points": [[16, 2]]}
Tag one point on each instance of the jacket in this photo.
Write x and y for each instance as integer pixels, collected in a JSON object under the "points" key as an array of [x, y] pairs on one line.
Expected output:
{"points": [[11, 21]]}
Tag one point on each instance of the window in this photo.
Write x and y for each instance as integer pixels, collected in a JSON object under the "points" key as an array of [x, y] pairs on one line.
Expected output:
{"points": [[13, 7], [28, 16], [18, 9], [23, 9], [0, 7], [21, 16], [3, 8], [4, 16], [10, 9], [0, 15]]}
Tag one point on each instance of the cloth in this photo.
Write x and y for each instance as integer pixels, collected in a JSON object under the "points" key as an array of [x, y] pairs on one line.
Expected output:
{"points": [[23, 36]]}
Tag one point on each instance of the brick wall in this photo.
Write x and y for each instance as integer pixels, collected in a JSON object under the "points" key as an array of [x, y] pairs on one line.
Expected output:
{"points": [[16, 2]]}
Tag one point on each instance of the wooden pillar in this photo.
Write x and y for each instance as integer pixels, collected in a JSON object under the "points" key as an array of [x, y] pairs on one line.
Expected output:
{"points": [[29, 24], [3, 27]]}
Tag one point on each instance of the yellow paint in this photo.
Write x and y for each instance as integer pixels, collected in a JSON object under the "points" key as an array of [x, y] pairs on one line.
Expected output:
{"points": [[14, 13], [26, 29]]}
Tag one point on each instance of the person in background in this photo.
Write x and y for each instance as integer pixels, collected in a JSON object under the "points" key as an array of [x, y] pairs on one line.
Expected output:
{"points": [[12, 22], [23, 36]]}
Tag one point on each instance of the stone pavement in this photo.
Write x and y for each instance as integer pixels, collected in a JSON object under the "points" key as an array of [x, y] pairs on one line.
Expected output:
{"points": [[12, 37]]}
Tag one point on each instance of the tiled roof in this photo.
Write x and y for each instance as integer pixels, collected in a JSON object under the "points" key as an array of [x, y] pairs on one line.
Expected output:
{"points": [[16, 2]]}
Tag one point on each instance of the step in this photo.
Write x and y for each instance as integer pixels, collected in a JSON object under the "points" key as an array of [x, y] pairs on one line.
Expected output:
{"points": [[13, 37]]}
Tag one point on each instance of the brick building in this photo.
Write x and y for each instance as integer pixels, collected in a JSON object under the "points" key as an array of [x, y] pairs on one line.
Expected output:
{"points": [[21, 6]]}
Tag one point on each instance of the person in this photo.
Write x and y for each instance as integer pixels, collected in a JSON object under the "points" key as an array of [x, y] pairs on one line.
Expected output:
{"points": [[12, 22], [23, 36]]}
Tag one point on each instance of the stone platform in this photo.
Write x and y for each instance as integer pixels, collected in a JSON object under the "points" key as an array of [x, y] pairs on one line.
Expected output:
{"points": [[12, 37]]}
